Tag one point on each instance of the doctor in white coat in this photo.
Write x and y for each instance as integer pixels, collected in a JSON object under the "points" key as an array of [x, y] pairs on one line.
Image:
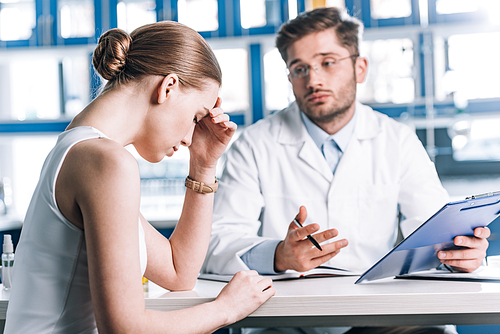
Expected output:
{"points": [[275, 167], [353, 187], [345, 168]]}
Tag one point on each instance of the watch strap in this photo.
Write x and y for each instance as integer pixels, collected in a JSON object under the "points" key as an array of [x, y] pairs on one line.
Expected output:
{"points": [[200, 187]]}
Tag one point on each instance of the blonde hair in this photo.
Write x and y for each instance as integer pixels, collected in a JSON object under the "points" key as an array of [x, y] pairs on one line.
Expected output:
{"points": [[160, 48]]}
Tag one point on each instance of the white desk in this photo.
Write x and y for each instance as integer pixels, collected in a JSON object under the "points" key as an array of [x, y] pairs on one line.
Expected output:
{"points": [[338, 302]]}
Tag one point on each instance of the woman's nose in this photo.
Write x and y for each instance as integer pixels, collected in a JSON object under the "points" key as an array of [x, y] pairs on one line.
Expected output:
{"points": [[189, 137]]}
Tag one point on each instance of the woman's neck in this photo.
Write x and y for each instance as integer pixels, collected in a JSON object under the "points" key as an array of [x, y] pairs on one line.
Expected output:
{"points": [[118, 113]]}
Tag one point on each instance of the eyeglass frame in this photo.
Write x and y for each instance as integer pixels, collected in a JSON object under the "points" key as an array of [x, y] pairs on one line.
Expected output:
{"points": [[308, 68]]}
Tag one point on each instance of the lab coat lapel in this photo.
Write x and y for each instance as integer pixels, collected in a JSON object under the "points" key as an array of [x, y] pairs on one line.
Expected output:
{"points": [[355, 160], [313, 157], [294, 132]]}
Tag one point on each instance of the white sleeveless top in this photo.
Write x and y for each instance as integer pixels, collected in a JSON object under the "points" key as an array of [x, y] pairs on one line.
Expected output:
{"points": [[50, 287]]}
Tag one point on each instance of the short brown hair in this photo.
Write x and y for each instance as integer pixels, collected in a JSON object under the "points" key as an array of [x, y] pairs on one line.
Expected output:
{"points": [[160, 48], [347, 28]]}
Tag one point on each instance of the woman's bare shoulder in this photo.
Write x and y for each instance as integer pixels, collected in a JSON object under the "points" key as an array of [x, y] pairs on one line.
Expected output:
{"points": [[97, 174], [101, 160]]}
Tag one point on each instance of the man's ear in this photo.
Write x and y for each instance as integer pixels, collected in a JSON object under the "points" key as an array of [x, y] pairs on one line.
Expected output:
{"points": [[167, 86], [361, 67]]}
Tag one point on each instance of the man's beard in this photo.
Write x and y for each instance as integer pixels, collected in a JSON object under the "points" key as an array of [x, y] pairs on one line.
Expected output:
{"points": [[326, 113]]}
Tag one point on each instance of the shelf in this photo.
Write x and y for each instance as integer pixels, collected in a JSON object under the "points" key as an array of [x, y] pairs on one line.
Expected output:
{"points": [[35, 126]]}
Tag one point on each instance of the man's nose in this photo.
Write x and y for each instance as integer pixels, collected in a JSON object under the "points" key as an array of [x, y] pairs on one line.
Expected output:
{"points": [[315, 76]]}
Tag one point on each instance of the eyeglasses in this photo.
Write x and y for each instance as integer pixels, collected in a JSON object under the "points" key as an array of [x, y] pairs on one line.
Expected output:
{"points": [[327, 66]]}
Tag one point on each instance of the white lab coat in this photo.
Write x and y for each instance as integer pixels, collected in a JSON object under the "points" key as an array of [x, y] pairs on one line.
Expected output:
{"points": [[274, 167]]}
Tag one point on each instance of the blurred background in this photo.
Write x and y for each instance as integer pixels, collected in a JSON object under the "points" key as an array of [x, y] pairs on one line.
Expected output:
{"points": [[433, 64]]}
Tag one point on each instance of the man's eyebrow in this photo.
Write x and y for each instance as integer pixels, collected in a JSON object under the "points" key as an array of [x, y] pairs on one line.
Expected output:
{"points": [[322, 54]]}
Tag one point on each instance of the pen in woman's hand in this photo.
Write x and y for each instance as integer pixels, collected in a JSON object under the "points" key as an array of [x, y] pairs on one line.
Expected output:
{"points": [[315, 243]]}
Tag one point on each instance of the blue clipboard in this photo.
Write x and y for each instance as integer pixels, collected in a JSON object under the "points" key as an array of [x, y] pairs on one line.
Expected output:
{"points": [[419, 250]]}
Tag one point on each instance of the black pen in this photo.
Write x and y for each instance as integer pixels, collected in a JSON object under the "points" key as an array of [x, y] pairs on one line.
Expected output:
{"points": [[315, 243]]}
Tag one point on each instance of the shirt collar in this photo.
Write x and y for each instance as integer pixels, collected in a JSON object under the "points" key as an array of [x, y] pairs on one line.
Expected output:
{"points": [[319, 136]]}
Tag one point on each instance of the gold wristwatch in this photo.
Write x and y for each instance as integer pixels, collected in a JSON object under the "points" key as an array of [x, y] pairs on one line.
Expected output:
{"points": [[201, 187]]}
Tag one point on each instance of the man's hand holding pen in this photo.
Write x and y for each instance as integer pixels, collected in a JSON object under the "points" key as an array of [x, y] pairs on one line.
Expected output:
{"points": [[298, 252], [310, 237]]}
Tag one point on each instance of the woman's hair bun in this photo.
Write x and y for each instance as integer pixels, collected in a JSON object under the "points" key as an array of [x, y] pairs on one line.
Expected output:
{"points": [[110, 55]]}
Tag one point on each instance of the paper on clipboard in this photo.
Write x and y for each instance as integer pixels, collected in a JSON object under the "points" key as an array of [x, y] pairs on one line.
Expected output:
{"points": [[482, 274], [418, 251]]}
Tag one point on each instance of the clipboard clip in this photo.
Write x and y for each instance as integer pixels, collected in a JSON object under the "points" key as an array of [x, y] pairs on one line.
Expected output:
{"points": [[483, 195]]}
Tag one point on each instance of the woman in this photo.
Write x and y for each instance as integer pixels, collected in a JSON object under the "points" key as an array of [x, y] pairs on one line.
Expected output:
{"points": [[85, 246]]}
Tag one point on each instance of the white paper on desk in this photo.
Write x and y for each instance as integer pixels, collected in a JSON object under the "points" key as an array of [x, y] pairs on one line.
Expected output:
{"points": [[482, 274], [321, 271]]}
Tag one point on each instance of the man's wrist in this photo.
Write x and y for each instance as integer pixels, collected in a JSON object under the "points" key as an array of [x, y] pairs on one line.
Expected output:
{"points": [[261, 257], [278, 265]]}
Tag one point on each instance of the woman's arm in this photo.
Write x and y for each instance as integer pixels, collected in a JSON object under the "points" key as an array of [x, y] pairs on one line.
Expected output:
{"points": [[240, 297], [108, 197], [190, 239]]}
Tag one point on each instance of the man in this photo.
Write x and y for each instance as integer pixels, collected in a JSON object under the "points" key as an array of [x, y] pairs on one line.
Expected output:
{"points": [[351, 167]]}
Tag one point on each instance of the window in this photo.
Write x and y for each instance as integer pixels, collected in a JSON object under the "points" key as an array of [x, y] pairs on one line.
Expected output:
{"points": [[466, 10], [475, 139], [234, 90], [44, 85], [17, 19], [259, 13], [38, 97], [335, 3], [468, 74], [201, 15], [456, 6], [279, 92], [76, 84], [76, 18], [387, 9], [292, 9], [133, 14], [390, 71]]}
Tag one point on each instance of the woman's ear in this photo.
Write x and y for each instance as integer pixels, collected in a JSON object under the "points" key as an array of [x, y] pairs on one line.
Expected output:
{"points": [[167, 85]]}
